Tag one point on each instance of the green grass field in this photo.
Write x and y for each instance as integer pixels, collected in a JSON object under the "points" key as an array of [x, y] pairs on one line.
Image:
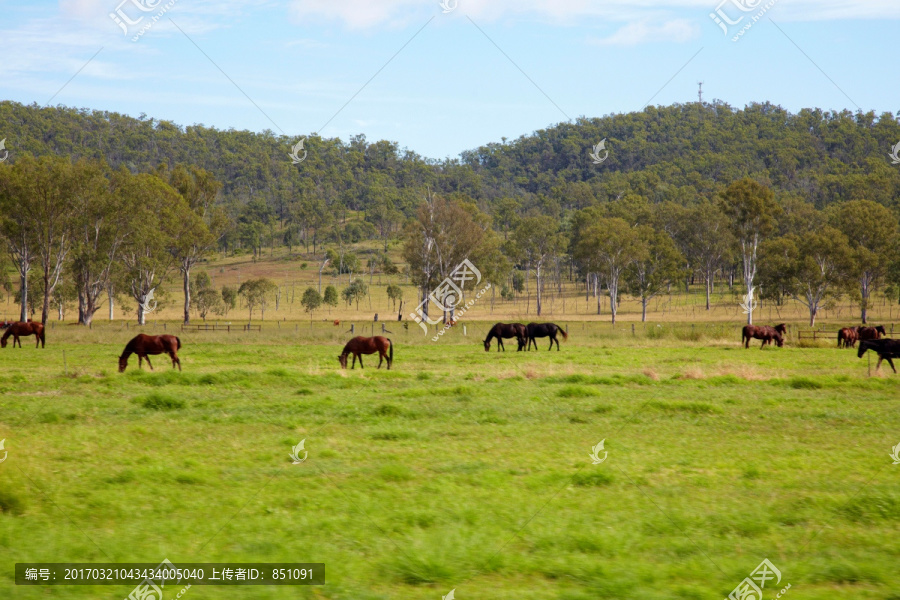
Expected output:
{"points": [[458, 469]]}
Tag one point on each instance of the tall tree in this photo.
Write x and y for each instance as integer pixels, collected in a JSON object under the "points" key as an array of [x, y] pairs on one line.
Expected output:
{"points": [[537, 240], [657, 264], [202, 233], [872, 232], [608, 247], [158, 227], [751, 210], [18, 228]]}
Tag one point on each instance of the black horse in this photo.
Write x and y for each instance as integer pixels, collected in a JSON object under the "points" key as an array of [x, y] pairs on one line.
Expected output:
{"points": [[539, 330], [886, 349], [506, 330]]}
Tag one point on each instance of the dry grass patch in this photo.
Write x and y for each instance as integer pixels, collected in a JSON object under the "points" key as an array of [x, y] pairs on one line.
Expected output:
{"points": [[694, 373]]}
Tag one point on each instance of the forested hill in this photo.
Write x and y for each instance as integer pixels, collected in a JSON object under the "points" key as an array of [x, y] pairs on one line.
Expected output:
{"points": [[674, 153]]}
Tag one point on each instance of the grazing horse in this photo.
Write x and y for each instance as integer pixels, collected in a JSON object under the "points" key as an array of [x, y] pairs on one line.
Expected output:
{"points": [[539, 330], [847, 337], [337, 322], [871, 333], [506, 330], [764, 333], [368, 345], [143, 345], [24, 329], [886, 349]]}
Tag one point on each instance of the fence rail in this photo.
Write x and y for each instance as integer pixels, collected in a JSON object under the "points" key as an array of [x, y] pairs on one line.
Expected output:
{"points": [[216, 327]]}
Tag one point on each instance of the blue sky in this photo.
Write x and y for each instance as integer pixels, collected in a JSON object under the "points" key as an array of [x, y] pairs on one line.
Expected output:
{"points": [[440, 83]]}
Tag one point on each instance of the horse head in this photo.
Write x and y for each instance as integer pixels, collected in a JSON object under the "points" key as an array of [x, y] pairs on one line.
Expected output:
{"points": [[487, 345], [863, 346], [123, 362], [781, 328], [880, 329], [779, 339], [343, 360]]}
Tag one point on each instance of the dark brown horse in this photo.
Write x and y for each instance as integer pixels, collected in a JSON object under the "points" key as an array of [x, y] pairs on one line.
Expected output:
{"points": [[22, 330], [143, 345], [764, 333], [368, 345], [503, 331], [539, 330], [847, 337], [886, 349], [870, 333]]}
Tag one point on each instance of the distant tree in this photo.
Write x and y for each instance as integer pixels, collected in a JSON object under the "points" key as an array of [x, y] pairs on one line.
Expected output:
{"points": [[536, 240], [208, 300], [608, 246], [311, 301], [256, 293], [229, 299], [872, 233], [330, 298], [657, 264], [355, 292], [817, 266], [751, 210], [395, 294]]}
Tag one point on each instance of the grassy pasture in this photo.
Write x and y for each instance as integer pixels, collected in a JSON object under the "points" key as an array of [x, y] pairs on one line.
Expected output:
{"points": [[459, 468]]}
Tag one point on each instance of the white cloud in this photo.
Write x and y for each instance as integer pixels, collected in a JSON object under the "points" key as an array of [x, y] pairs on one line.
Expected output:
{"points": [[360, 14], [678, 30]]}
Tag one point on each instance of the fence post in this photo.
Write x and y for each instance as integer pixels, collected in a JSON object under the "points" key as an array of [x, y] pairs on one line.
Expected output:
{"points": [[352, 328], [632, 329], [464, 331]]}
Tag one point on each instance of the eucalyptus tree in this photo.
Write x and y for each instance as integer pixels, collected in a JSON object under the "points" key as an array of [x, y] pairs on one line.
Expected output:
{"points": [[608, 247], [161, 219], [657, 264], [537, 240], [750, 209], [200, 235], [872, 233]]}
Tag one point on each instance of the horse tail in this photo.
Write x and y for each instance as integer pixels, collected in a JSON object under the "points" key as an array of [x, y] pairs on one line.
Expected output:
{"points": [[178, 340], [563, 332], [390, 350], [43, 340]]}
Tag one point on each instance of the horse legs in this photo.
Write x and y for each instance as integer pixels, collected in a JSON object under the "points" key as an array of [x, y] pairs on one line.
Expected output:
{"points": [[891, 362], [175, 360], [353, 366], [16, 339], [554, 339], [147, 357], [360, 362], [500, 344], [380, 358]]}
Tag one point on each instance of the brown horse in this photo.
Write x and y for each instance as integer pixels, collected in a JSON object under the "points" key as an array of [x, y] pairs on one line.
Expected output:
{"points": [[764, 333], [847, 337], [368, 345], [506, 330], [870, 333], [886, 349], [24, 329], [143, 345]]}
